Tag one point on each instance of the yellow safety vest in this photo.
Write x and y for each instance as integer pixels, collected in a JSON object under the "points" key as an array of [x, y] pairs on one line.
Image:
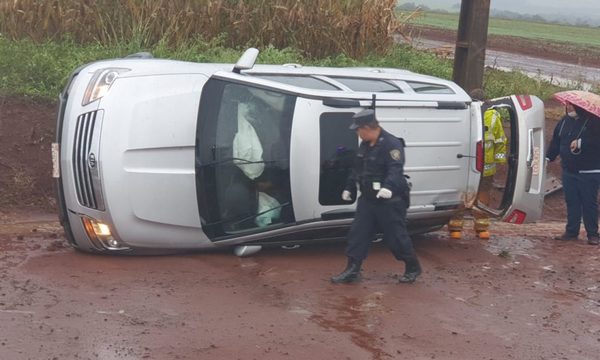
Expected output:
{"points": [[494, 142]]}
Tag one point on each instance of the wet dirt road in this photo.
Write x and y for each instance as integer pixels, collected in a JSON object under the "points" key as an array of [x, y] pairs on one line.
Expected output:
{"points": [[518, 296], [559, 73]]}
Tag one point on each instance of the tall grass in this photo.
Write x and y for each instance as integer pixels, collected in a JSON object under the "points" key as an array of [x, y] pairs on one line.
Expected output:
{"points": [[318, 28]]}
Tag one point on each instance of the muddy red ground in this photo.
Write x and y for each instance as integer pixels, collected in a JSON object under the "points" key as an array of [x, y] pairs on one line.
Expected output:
{"points": [[26, 131], [518, 296]]}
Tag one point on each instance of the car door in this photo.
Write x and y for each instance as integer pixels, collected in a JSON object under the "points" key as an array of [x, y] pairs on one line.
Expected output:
{"points": [[321, 156], [522, 181], [324, 148]]}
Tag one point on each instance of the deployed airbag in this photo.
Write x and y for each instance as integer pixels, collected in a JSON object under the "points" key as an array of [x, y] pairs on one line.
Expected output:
{"points": [[247, 148]]}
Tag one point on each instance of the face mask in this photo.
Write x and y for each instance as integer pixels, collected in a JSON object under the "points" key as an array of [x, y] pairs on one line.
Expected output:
{"points": [[572, 114]]}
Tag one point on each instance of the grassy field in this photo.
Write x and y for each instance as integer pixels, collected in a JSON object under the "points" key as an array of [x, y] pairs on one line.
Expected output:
{"points": [[524, 29]]}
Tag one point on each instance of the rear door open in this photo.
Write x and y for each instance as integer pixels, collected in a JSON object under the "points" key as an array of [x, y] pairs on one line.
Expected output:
{"points": [[517, 189]]}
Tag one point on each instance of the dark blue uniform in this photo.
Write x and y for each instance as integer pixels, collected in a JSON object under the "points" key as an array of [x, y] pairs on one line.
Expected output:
{"points": [[567, 130], [376, 167], [581, 172]]}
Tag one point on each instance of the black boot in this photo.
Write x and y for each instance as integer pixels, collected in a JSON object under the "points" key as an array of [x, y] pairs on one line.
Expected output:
{"points": [[350, 274], [412, 271]]}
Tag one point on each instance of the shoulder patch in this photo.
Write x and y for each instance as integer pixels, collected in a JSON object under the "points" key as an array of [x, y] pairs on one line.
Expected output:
{"points": [[396, 154]]}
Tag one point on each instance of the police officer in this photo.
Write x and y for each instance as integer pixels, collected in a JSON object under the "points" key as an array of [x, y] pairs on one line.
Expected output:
{"points": [[379, 172]]}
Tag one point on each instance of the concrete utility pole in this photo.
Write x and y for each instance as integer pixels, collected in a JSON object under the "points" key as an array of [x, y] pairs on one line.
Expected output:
{"points": [[471, 40]]}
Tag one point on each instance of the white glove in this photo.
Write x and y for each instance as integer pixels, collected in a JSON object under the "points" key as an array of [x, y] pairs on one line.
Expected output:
{"points": [[347, 195], [384, 194]]}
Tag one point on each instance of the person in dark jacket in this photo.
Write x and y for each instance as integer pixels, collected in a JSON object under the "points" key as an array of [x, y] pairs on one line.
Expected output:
{"points": [[567, 133], [588, 149], [379, 173]]}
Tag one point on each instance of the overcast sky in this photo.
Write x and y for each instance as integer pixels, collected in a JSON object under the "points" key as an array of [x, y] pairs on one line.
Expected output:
{"points": [[568, 10]]}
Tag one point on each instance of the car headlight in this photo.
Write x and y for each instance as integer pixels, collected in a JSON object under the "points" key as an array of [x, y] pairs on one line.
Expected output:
{"points": [[100, 84], [101, 235]]}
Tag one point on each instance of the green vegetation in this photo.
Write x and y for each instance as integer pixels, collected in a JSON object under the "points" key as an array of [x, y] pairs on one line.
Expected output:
{"points": [[41, 69], [524, 29]]}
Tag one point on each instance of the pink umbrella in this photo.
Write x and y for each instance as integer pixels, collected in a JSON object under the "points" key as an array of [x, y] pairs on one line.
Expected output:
{"points": [[586, 100]]}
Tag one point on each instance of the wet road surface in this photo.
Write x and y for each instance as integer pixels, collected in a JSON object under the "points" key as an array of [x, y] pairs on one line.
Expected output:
{"points": [[559, 73], [518, 296]]}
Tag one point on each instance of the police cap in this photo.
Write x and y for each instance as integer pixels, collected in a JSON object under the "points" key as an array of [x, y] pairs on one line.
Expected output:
{"points": [[363, 118]]}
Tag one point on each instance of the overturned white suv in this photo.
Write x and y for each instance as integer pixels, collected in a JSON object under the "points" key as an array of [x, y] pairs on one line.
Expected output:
{"points": [[157, 155]]}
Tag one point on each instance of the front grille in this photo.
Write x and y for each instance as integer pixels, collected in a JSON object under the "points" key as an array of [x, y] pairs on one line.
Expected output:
{"points": [[84, 134]]}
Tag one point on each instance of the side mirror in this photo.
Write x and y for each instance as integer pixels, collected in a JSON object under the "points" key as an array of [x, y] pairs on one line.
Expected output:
{"points": [[246, 61]]}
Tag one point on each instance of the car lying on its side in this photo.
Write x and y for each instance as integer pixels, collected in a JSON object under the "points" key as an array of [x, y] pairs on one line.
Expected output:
{"points": [[158, 155]]}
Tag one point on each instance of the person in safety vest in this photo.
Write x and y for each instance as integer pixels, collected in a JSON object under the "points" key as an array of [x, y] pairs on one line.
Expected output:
{"points": [[494, 153]]}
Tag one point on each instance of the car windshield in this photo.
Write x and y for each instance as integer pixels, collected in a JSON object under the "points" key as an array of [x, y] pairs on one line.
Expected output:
{"points": [[242, 159]]}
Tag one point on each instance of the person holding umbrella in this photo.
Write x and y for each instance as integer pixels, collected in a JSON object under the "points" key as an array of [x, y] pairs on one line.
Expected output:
{"points": [[576, 139]]}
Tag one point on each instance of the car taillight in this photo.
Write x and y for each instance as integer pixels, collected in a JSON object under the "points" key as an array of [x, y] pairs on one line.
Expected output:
{"points": [[516, 217], [524, 101], [479, 157]]}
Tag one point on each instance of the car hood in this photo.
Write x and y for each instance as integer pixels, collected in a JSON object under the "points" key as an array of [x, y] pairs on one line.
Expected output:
{"points": [[148, 139]]}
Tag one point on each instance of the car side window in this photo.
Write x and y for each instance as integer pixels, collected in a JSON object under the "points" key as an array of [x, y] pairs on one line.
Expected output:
{"points": [[338, 149]]}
